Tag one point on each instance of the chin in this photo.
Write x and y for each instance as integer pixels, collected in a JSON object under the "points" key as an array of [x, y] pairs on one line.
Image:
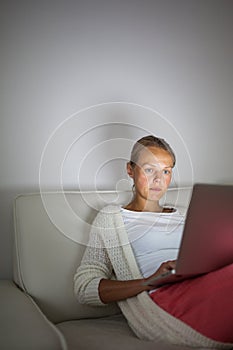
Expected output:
{"points": [[156, 195]]}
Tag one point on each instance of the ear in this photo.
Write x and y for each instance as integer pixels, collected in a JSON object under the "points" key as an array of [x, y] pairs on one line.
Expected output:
{"points": [[130, 170]]}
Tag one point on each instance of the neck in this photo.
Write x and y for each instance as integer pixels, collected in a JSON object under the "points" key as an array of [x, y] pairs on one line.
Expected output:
{"points": [[144, 205]]}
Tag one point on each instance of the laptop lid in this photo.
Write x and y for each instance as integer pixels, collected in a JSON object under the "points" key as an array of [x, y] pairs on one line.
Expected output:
{"points": [[207, 240]]}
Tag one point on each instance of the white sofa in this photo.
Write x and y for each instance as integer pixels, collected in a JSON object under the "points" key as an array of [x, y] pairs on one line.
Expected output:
{"points": [[38, 308]]}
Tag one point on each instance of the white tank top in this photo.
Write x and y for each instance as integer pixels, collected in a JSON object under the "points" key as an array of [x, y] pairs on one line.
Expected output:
{"points": [[154, 237]]}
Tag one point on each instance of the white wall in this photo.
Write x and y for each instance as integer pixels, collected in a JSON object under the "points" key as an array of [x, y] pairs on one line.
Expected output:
{"points": [[59, 57]]}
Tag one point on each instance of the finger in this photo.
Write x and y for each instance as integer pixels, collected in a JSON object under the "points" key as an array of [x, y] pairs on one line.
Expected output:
{"points": [[172, 264]]}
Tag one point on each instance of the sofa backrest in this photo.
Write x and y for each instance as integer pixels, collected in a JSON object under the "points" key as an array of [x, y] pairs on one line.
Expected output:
{"points": [[51, 231]]}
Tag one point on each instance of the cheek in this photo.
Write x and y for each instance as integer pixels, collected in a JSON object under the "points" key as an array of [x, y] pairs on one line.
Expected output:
{"points": [[168, 180], [143, 180]]}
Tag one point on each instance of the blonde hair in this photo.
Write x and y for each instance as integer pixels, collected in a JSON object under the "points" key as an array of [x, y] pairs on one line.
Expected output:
{"points": [[150, 141]]}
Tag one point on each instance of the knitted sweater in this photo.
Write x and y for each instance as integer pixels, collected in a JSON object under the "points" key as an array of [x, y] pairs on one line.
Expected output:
{"points": [[109, 255]]}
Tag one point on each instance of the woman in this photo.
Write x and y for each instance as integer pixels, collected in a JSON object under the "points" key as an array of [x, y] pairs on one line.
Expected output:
{"points": [[130, 245]]}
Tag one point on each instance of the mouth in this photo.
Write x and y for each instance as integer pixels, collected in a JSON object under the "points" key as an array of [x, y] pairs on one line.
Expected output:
{"points": [[156, 189]]}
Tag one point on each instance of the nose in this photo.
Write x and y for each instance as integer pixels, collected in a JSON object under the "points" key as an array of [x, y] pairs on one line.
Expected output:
{"points": [[158, 176]]}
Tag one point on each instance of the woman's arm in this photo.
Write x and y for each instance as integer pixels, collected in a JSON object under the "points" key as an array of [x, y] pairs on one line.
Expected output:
{"points": [[94, 267], [111, 290]]}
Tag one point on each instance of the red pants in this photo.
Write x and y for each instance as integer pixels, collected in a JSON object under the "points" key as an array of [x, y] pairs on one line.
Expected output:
{"points": [[205, 303]]}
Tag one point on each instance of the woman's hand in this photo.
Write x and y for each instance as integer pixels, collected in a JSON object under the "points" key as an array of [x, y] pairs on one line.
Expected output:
{"points": [[166, 267], [113, 290], [163, 269]]}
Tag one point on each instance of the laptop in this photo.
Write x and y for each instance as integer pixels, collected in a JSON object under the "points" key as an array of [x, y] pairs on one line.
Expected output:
{"points": [[207, 240]]}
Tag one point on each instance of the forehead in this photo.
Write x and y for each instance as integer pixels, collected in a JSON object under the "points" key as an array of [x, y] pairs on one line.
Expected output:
{"points": [[154, 155]]}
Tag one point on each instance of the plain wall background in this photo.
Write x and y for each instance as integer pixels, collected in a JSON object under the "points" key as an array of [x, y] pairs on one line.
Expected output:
{"points": [[59, 57]]}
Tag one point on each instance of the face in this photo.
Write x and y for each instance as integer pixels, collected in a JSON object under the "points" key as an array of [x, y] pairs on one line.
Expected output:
{"points": [[152, 174]]}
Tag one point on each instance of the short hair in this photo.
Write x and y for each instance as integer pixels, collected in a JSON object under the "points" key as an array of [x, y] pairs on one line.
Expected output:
{"points": [[150, 141]]}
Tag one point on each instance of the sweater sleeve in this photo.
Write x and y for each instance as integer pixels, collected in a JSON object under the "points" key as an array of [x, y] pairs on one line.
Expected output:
{"points": [[95, 265]]}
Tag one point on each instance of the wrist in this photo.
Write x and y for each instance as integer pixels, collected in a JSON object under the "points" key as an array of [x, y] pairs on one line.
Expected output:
{"points": [[145, 285]]}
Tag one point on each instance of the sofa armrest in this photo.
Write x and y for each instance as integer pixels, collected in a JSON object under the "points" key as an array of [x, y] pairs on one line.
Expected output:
{"points": [[23, 325]]}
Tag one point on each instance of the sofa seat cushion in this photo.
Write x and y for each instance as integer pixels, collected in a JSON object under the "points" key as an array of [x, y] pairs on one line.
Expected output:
{"points": [[110, 333]]}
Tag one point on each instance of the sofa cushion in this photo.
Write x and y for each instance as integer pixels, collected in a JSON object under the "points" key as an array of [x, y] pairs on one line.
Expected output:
{"points": [[22, 324], [110, 333]]}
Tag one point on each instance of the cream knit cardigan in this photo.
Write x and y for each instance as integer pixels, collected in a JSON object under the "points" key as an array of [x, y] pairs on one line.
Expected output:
{"points": [[109, 255]]}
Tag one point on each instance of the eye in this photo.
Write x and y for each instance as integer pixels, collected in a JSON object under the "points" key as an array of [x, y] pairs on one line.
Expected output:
{"points": [[148, 170], [166, 172]]}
